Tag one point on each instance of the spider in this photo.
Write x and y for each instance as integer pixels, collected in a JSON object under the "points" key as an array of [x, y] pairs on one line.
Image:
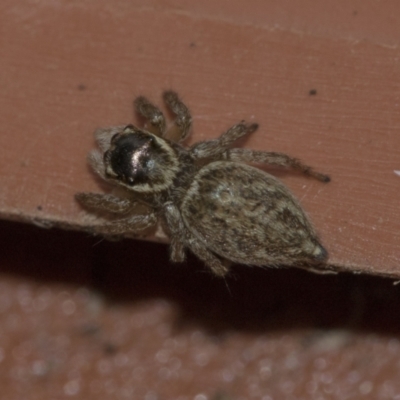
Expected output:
{"points": [[207, 198]]}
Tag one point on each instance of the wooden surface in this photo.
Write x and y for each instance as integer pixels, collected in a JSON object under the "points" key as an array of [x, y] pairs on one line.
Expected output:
{"points": [[69, 67]]}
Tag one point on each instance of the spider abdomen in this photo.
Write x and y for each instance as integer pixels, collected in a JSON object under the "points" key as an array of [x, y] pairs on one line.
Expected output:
{"points": [[247, 216]]}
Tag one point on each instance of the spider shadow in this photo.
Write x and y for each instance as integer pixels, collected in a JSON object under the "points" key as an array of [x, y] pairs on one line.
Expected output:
{"points": [[248, 300]]}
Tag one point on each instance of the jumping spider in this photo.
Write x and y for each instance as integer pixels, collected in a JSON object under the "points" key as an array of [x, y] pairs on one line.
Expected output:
{"points": [[207, 198]]}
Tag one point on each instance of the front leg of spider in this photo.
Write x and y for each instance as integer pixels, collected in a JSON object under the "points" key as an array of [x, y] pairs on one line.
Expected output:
{"points": [[126, 222], [180, 129], [105, 202], [156, 120]]}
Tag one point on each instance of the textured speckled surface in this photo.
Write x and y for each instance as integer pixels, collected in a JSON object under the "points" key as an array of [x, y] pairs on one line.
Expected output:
{"points": [[89, 320]]}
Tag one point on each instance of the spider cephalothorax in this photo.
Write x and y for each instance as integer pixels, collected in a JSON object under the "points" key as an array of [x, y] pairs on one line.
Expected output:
{"points": [[140, 161], [207, 197]]}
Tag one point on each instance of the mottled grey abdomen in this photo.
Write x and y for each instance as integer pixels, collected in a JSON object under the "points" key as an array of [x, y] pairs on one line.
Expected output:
{"points": [[246, 215]]}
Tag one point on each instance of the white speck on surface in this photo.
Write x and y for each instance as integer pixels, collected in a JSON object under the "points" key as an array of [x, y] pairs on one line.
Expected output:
{"points": [[227, 375], [72, 388], [388, 390], [287, 386], [24, 297], [39, 368], [163, 356], [121, 360], [68, 307], [312, 387], [265, 372], [397, 172], [197, 337], [151, 395], [42, 300], [110, 386], [393, 345], [326, 378], [164, 373], [353, 377], [175, 364], [365, 387], [202, 359], [291, 362], [200, 396]]}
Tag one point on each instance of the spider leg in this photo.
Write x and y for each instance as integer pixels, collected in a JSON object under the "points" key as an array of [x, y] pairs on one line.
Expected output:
{"points": [[272, 158], [216, 147], [180, 237], [105, 202], [214, 263], [95, 160], [124, 226], [176, 230], [183, 121], [103, 136], [153, 114]]}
